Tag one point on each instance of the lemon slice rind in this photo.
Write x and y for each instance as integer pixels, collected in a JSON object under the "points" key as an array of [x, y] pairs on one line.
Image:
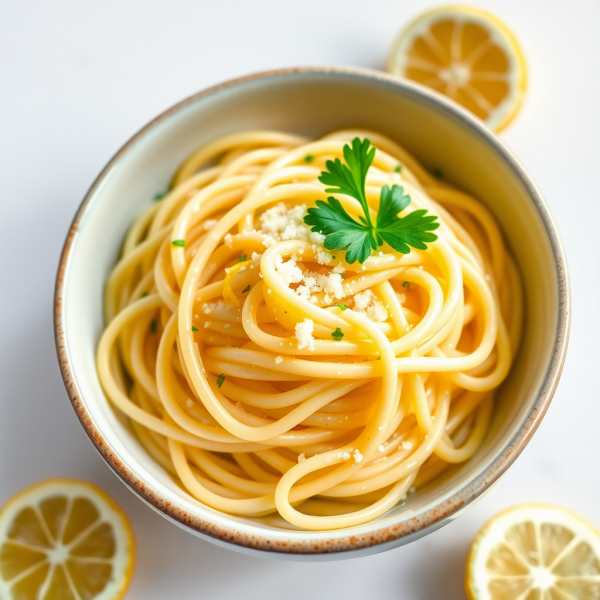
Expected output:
{"points": [[399, 59], [541, 577], [122, 561]]}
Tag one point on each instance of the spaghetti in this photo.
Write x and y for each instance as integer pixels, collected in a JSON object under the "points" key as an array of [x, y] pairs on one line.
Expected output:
{"points": [[274, 380]]}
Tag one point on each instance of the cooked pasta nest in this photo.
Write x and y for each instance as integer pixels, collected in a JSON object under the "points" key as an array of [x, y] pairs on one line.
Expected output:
{"points": [[272, 379]]}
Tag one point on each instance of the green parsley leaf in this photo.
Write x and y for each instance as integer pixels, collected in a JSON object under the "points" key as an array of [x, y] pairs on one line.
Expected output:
{"points": [[144, 294], [402, 232], [360, 238], [153, 326], [194, 328], [246, 289], [342, 306], [242, 257], [159, 196], [330, 219], [398, 168], [179, 243], [350, 178], [337, 335], [220, 380], [406, 285], [309, 158]]}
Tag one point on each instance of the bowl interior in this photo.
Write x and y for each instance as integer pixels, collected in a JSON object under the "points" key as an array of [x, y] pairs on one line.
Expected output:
{"points": [[314, 102]]}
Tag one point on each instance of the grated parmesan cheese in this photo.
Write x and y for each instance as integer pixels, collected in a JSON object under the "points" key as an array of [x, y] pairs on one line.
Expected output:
{"points": [[280, 223], [304, 334], [324, 258], [208, 307], [278, 360], [310, 282], [369, 304], [301, 457], [357, 456]]}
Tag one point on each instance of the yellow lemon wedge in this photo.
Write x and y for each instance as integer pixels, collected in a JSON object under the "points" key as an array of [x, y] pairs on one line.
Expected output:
{"points": [[467, 55], [535, 552], [64, 540]]}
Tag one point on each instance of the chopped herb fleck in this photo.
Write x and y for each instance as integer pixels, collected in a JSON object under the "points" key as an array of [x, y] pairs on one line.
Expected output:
{"points": [[144, 294], [153, 326], [159, 196], [406, 285], [180, 243], [309, 158], [242, 257], [246, 289], [342, 306], [194, 328], [220, 380], [379, 358], [438, 173], [398, 168], [337, 335]]}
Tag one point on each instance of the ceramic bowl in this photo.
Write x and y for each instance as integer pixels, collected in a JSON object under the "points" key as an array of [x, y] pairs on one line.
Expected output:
{"points": [[314, 101]]}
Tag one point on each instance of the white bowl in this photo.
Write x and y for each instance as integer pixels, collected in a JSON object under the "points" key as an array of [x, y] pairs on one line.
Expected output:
{"points": [[314, 101]]}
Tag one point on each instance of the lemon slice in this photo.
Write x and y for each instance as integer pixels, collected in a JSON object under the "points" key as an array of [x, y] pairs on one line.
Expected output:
{"points": [[535, 552], [469, 56], [64, 540]]}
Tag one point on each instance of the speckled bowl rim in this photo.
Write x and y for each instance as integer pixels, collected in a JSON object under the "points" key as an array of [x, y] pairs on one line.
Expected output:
{"points": [[418, 525]]}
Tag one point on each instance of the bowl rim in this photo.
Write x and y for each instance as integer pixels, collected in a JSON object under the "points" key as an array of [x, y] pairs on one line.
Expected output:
{"points": [[415, 526]]}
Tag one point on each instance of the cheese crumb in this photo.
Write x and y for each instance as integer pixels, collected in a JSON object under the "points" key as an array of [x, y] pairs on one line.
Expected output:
{"points": [[208, 307], [304, 334], [281, 223], [324, 258], [278, 360], [369, 304], [209, 224], [344, 455], [381, 448], [406, 445], [301, 457], [289, 271], [358, 456]]}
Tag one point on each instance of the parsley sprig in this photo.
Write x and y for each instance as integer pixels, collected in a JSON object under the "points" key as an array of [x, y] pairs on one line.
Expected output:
{"points": [[358, 238]]}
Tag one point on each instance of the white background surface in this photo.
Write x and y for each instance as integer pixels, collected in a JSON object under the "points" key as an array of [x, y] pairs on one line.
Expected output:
{"points": [[77, 79]]}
